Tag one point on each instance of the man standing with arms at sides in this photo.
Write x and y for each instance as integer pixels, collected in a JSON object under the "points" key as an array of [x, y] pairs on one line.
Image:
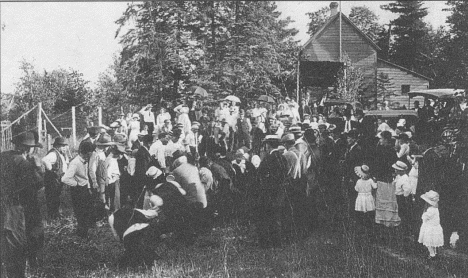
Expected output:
{"points": [[22, 176], [243, 130], [56, 163], [76, 177], [271, 196]]}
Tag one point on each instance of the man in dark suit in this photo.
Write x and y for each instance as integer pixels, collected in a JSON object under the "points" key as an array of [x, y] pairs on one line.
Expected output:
{"points": [[142, 164], [93, 134], [304, 109], [348, 124], [353, 157]]}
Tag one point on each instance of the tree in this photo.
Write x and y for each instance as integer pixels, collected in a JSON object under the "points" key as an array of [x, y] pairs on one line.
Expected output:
{"points": [[238, 47], [456, 49], [350, 81], [58, 90], [366, 20], [385, 88], [318, 19], [409, 31]]}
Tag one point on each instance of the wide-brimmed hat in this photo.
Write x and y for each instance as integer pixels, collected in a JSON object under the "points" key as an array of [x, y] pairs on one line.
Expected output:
{"points": [[120, 138], [385, 135], [26, 139], [289, 137], [156, 201], [403, 136], [171, 179], [120, 148], [153, 172], [362, 171], [295, 129], [59, 141], [401, 122], [195, 127], [400, 165], [135, 116], [104, 140], [271, 138], [115, 124], [431, 197], [94, 130]]}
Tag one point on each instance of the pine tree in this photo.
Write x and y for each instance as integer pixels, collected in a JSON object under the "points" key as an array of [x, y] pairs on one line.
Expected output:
{"points": [[409, 31]]}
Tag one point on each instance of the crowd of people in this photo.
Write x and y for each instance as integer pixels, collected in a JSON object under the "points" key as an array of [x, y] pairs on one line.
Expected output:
{"points": [[267, 162]]}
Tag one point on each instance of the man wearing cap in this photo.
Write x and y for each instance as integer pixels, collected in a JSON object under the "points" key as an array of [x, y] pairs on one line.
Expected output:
{"points": [[271, 198], [148, 118], [22, 175], [56, 163]]}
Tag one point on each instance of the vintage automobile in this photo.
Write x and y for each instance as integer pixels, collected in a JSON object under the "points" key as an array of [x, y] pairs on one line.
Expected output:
{"points": [[391, 117], [447, 123]]}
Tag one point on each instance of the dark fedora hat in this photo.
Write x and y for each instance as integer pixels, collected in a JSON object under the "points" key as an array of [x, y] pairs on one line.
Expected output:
{"points": [[60, 141], [105, 140], [26, 139]]}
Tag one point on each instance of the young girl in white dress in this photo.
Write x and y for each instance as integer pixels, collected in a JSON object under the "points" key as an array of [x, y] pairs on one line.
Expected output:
{"points": [[431, 233], [364, 201]]}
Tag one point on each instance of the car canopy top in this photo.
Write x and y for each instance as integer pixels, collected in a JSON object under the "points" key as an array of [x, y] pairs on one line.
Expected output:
{"points": [[436, 93]]}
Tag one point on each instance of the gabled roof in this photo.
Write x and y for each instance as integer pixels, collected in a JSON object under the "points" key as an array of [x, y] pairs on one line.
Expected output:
{"points": [[404, 69], [347, 20]]}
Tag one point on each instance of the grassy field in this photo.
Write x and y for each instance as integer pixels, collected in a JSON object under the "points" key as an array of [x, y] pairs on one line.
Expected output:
{"points": [[334, 249]]}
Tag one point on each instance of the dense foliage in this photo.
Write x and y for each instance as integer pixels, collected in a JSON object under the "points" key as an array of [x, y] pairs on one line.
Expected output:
{"points": [[237, 47]]}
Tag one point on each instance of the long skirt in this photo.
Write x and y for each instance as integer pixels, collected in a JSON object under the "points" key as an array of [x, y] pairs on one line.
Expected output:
{"points": [[386, 206]]}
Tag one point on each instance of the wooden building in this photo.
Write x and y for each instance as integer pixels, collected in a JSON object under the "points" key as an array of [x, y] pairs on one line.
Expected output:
{"points": [[402, 81], [322, 56]]}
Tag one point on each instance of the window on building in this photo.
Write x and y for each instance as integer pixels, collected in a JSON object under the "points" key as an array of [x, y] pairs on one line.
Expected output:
{"points": [[405, 89]]}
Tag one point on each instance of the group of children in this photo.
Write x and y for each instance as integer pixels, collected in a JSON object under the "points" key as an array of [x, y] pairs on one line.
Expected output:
{"points": [[431, 232]]}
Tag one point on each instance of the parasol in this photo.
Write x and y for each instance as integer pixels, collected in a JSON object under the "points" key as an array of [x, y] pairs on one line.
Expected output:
{"points": [[266, 98], [199, 91], [232, 98]]}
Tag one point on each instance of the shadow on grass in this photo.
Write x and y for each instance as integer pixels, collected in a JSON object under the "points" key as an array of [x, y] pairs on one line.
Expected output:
{"points": [[338, 248]]}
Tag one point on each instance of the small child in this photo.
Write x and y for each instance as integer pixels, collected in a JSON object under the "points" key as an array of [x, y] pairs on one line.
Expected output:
{"points": [[403, 195], [364, 201], [431, 233], [414, 172]]}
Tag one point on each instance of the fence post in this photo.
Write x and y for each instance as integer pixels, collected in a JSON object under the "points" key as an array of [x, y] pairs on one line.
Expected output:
{"points": [[39, 121], [99, 116], [73, 126]]}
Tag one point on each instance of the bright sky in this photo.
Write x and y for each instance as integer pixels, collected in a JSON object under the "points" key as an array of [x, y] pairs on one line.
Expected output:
{"points": [[80, 35]]}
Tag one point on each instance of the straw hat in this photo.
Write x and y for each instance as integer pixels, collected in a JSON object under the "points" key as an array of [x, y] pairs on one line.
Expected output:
{"points": [[362, 171], [400, 165], [153, 172], [256, 161], [431, 197], [156, 201]]}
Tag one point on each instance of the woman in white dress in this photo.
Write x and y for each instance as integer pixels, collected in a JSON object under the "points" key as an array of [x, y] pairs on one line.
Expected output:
{"points": [[134, 127]]}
